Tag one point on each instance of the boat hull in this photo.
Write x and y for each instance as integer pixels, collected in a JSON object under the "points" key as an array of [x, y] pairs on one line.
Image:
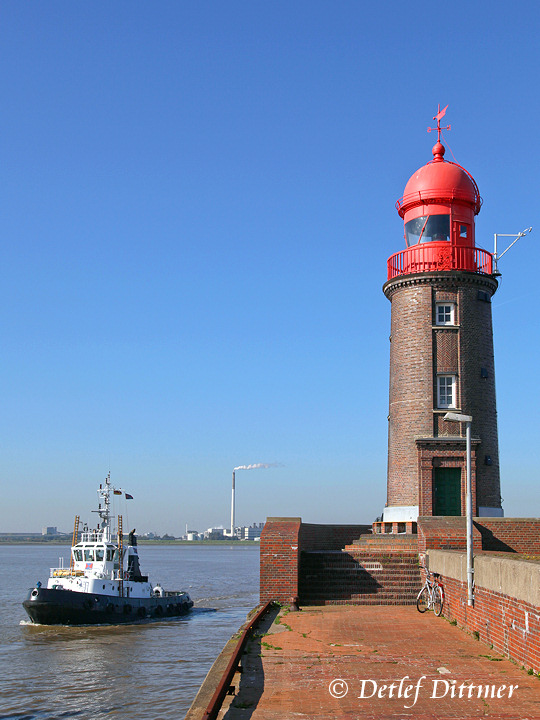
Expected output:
{"points": [[46, 606]]}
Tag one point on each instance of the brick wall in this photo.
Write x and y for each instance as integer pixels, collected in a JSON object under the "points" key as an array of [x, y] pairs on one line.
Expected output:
{"points": [[279, 558], [411, 385], [520, 535], [477, 392], [506, 612], [420, 351], [445, 533], [283, 540], [329, 537], [515, 535]]}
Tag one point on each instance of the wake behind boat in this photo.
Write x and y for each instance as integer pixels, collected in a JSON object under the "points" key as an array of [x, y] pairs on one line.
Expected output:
{"points": [[103, 583]]}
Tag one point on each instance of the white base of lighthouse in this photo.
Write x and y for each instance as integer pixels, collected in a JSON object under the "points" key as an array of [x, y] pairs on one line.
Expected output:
{"points": [[401, 513], [409, 513], [490, 512]]}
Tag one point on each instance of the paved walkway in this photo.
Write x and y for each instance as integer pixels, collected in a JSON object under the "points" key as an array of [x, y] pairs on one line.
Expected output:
{"points": [[376, 662]]}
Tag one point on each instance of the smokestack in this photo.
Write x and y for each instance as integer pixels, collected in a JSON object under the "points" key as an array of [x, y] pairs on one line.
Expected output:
{"points": [[232, 507]]}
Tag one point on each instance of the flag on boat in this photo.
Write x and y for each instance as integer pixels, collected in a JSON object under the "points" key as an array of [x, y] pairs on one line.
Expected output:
{"points": [[117, 492], [129, 497]]}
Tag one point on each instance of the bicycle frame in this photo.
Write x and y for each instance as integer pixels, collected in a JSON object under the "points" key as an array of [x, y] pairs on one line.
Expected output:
{"points": [[431, 596]]}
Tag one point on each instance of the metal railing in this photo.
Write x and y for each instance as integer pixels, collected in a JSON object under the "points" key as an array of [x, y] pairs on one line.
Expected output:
{"points": [[92, 536], [437, 257]]}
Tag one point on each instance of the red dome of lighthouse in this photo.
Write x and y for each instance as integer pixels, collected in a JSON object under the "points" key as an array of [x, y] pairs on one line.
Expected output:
{"points": [[439, 182], [438, 209]]}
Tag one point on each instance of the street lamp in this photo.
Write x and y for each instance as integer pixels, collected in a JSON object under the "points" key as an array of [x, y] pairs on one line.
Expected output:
{"points": [[467, 419]]}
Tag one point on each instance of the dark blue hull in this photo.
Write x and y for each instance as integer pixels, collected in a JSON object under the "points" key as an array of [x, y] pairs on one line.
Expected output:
{"points": [[65, 607]]}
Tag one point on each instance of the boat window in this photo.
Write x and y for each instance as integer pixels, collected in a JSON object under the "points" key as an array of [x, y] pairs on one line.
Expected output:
{"points": [[88, 554], [428, 228], [77, 554], [110, 553], [100, 552]]}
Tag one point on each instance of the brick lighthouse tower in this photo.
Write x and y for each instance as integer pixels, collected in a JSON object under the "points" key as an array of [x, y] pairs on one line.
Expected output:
{"points": [[441, 351]]}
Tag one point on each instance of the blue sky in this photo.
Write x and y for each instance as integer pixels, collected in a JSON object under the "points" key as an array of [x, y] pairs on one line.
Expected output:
{"points": [[197, 206]]}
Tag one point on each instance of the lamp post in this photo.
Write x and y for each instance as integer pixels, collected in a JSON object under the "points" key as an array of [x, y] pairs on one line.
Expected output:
{"points": [[467, 419]]}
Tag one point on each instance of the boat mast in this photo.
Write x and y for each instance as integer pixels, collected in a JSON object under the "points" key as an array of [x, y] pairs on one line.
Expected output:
{"points": [[74, 540], [104, 513]]}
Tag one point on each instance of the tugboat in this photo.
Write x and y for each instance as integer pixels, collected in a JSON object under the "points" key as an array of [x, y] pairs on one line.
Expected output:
{"points": [[103, 583]]}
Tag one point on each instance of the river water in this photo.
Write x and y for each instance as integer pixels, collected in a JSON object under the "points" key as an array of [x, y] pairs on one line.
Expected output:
{"points": [[146, 671]]}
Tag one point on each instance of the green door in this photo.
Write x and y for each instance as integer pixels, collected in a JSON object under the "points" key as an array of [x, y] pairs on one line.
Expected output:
{"points": [[447, 491]]}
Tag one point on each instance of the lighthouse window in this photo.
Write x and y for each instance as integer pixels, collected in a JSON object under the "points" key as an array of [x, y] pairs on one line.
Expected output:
{"points": [[428, 228], [444, 314], [446, 391]]}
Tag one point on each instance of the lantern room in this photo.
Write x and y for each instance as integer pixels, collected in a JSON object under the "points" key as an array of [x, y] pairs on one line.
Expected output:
{"points": [[438, 208]]}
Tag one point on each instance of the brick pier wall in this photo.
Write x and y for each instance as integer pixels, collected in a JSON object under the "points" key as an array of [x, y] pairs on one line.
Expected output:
{"points": [[283, 539], [347, 564], [521, 535], [515, 535], [506, 611]]}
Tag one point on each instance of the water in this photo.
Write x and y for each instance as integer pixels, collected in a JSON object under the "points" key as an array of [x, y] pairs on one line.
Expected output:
{"points": [[147, 671]]}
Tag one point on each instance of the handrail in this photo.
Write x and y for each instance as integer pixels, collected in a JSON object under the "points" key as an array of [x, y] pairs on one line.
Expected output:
{"points": [[436, 257], [216, 702]]}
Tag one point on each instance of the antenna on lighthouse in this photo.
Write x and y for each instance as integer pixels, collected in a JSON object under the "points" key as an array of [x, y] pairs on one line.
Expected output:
{"points": [[497, 256]]}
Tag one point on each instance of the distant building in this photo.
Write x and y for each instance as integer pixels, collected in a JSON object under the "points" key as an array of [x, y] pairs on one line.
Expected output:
{"points": [[253, 532], [214, 534], [49, 530], [192, 535]]}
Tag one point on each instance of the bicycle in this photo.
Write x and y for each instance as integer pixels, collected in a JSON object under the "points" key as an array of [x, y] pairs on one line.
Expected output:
{"points": [[431, 596]]}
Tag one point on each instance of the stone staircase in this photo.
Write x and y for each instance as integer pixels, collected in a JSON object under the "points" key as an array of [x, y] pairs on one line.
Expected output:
{"points": [[374, 570]]}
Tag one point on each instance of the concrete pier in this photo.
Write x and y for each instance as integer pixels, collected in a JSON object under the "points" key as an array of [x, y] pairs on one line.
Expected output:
{"points": [[375, 663]]}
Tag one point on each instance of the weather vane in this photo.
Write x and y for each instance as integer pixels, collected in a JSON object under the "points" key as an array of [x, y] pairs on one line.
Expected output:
{"points": [[438, 117]]}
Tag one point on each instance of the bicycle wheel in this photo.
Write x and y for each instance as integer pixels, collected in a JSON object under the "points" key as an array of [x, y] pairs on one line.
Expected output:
{"points": [[438, 600], [422, 601]]}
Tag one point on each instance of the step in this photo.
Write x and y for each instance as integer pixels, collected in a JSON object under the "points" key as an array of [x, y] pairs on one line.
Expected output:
{"points": [[360, 575]]}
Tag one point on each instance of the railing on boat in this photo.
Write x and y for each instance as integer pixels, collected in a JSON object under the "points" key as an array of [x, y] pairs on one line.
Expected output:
{"points": [[91, 537]]}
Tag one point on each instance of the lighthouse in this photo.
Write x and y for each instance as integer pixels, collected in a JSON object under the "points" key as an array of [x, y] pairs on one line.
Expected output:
{"points": [[440, 286]]}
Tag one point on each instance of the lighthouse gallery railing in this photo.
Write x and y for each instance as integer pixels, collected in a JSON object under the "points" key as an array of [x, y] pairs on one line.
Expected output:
{"points": [[436, 257]]}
